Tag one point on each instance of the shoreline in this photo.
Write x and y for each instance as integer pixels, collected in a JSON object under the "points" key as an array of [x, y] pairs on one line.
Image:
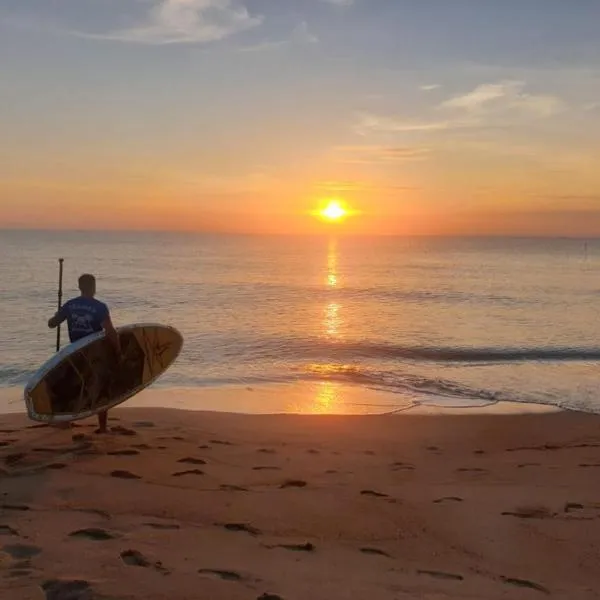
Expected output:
{"points": [[189, 503], [317, 398]]}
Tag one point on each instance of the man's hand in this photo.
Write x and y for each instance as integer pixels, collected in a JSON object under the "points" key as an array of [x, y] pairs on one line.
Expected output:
{"points": [[53, 322]]}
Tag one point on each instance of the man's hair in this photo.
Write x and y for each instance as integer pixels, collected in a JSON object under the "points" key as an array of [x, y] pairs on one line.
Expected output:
{"points": [[86, 281]]}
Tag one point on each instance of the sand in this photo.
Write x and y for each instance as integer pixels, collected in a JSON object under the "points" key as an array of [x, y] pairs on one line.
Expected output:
{"points": [[192, 505]]}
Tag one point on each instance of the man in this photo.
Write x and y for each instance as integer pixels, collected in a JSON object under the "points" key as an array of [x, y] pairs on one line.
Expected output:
{"points": [[86, 315]]}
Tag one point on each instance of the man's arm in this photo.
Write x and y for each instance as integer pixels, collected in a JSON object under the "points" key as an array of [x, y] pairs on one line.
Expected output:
{"points": [[58, 318]]}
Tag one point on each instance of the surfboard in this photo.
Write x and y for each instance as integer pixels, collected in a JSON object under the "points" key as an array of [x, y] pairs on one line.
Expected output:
{"points": [[84, 377]]}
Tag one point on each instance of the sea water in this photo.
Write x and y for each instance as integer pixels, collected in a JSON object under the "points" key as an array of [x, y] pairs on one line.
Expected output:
{"points": [[445, 321]]}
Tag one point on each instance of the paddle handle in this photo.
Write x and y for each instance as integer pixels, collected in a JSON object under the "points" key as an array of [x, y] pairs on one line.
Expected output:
{"points": [[60, 293]]}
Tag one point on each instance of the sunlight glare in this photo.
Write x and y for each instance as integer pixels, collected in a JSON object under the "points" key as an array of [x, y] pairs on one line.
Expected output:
{"points": [[333, 211]]}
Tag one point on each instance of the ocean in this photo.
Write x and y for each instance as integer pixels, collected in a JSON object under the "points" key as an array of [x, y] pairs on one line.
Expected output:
{"points": [[450, 322]]}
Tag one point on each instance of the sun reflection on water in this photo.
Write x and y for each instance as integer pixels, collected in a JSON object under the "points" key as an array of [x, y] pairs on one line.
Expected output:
{"points": [[333, 318]]}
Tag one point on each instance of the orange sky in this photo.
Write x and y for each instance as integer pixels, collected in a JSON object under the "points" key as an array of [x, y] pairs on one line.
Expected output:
{"points": [[246, 122]]}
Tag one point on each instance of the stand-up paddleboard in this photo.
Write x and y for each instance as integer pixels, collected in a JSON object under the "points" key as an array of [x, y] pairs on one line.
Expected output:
{"points": [[84, 378]]}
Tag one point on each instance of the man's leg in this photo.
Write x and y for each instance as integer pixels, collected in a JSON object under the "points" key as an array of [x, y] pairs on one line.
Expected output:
{"points": [[102, 420]]}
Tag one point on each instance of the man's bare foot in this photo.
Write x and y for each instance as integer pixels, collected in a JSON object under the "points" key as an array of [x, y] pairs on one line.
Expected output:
{"points": [[101, 430]]}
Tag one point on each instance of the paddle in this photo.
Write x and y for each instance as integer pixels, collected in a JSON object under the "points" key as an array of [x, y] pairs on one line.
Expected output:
{"points": [[60, 281]]}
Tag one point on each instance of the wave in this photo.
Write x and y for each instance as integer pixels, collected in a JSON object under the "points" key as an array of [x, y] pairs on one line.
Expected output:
{"points": [[301, 348]]}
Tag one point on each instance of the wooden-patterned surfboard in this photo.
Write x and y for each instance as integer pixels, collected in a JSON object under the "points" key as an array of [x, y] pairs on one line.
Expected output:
{"points": [[85, 378]]}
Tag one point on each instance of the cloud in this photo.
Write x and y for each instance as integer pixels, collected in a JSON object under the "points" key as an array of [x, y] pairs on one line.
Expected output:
{"points": [[430, 87], [504, 96], [370, 123], [185, 21], [339, 2], [350, 186], [300, 35], [375, 154]]}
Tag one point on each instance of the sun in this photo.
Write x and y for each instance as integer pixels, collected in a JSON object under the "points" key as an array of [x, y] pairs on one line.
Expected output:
{"points": [[334, 210]]}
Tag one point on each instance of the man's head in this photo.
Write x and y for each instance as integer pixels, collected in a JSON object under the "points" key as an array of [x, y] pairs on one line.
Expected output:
{"points": [[87, 284]]}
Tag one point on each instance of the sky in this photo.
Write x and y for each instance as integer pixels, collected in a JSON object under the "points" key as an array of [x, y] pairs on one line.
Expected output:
{"points": [[424, 116]]}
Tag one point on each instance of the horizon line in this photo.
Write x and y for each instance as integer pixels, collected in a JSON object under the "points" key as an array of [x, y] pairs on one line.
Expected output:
{"points": [[305, 234]]}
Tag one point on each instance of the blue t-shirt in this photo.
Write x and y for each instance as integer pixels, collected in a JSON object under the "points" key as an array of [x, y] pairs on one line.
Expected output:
{"points": [[84, 316]]}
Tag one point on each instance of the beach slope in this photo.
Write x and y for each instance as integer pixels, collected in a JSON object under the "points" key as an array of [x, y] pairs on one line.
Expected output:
{"points": [[187, 505]]}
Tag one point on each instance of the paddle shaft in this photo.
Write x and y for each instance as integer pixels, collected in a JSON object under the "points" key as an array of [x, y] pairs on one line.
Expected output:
{"points": [[60, 292]]}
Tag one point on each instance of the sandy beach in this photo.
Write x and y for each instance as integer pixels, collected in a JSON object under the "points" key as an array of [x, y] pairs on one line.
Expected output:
{"points": [[188, 504]]}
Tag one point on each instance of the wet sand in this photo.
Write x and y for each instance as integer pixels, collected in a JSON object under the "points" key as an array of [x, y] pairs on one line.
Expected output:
{"points": [[187, 505]]}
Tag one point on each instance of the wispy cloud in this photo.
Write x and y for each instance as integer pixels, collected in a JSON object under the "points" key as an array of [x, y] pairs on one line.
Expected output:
{"points": [[488, 105], [300, 35], [371, 123], [505, 96], [184, 21], [430, 87], [374, 154], [350, 186]]}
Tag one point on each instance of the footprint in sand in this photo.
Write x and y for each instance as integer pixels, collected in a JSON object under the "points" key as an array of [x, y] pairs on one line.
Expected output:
{"points": [[93, 533], [189, 472], [448, 499], [204, 447], [440, 574], [19, 507], [267, 451], [401, 466], [8, 530], [143, 424], [62, 589], [524, 583], [530, 512], [569, 506], [55, 466], [134, 558], [311, 451], [233, 488], [373, 493], [375, 551], [470, 470], [94, 511], [240, 527], [221, 442], [124, 474], [297, 483], [269, 597], [307, 547], [165, 526], [120, 430], [12, 459], [123, 453], [141, 446], [227, 575], [192, 461], [21, 551], [266, 468]]}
